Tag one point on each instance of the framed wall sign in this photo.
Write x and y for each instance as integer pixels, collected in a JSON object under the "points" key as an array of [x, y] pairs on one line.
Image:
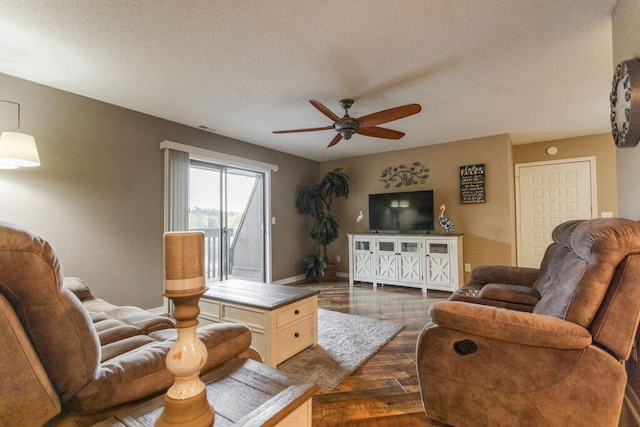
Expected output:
{"points": [[472, 184]]}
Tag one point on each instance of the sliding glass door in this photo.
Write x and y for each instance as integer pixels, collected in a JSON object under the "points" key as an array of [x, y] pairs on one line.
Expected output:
{"points": [[228, 205]]}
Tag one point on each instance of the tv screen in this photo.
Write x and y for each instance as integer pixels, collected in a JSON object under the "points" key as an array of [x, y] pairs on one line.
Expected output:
{"points": [[401, 212]]}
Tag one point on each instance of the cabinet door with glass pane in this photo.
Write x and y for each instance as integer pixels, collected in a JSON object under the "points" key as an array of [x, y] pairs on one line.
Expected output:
{"points": [[409, 260], [363, 259], [438, 266], [386, 259], [442, 264]]}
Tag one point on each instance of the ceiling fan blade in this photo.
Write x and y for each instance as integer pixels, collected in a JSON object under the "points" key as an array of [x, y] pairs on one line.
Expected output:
{"points": [[335, 140], [324, 110], [303, 130], [379, 132], [389, 115]]}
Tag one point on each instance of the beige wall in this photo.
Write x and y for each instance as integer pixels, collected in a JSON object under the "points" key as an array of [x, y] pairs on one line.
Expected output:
{"points": [[98, 196], [626, 45], [489, 231], [600, 146]]}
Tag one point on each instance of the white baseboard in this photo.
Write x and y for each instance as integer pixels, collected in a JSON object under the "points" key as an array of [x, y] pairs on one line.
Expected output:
{"points": [[300, 277], [289, 280]]}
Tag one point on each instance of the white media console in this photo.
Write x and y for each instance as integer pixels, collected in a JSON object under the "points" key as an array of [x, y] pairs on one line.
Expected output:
{"points": [[426, 261]]}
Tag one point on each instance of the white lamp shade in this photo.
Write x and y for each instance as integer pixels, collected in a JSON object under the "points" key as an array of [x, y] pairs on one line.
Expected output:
{"points": [[18, 150]]}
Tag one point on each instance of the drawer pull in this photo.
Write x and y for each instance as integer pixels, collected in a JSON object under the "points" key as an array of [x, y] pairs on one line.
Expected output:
{"points": [[296, 335], [297, 311]]}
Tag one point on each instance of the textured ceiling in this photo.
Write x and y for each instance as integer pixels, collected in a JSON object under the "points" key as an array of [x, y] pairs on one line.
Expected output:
{"points": [[537, 69]]}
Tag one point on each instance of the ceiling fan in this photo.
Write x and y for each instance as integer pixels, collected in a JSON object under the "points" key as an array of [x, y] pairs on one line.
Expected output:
{"points": [[367, 125]]}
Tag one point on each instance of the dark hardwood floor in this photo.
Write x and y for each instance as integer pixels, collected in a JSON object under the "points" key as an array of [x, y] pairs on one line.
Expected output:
{"points": [[384, 390]]}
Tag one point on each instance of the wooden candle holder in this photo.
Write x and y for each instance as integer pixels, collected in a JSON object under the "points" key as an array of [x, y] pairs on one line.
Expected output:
{"points": [[186, 400]]}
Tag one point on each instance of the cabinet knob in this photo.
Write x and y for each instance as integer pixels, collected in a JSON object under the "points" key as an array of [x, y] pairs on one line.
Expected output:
{"points": [[296, 335], [297, 312]]}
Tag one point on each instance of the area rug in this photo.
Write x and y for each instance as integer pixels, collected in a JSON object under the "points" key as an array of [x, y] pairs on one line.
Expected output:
{"points": [[345, 342]]}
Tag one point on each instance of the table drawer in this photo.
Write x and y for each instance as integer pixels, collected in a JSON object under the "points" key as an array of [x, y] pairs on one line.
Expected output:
{"points": [[238, 314], [295, 312], [293, 338], [209, 309]]}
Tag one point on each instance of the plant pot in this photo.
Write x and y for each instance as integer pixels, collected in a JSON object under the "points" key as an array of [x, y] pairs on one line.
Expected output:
{"points": [[330, 273]]}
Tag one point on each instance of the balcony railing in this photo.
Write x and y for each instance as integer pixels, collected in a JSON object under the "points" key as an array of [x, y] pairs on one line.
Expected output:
{"points": [[212, 254]]}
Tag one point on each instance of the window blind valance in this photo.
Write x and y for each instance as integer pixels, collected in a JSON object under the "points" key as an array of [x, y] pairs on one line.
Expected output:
{"points": [[220, 158]]}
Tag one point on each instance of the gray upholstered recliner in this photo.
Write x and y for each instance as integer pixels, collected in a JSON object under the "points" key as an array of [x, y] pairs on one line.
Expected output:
{"points": [[555, 355], [54, 365]]}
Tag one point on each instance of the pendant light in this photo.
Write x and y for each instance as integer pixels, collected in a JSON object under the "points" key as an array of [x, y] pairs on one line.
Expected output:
{"points": [[17, 149]]}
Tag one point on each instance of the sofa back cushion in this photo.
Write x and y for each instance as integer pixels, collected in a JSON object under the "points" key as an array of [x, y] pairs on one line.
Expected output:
{"points": [[581, 280], [59, 329]]}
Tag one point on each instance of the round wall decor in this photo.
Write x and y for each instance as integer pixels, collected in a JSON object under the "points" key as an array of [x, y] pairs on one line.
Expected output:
{"points": [[625, 104]]}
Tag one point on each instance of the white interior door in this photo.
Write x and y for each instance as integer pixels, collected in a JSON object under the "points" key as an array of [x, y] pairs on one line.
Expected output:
{"points": [[547, 194]]}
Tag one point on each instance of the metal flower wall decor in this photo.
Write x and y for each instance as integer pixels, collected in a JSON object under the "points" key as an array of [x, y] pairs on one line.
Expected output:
{"points": [[403, 175]]}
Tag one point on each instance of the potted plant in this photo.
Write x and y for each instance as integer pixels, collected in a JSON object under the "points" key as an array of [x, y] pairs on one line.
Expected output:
{"points": [[317, 201]]}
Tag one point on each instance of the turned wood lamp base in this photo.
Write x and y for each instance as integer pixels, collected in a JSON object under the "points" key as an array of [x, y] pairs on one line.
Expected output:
{"points": [[194, 411], [186, 401]]}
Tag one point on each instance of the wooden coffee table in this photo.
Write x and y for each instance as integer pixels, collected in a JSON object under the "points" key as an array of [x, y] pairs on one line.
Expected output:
{"points": [[242, 392], [283, 319]]}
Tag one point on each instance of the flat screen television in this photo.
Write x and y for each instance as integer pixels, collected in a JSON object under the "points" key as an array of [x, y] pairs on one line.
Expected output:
{"points": [[402, 212]]}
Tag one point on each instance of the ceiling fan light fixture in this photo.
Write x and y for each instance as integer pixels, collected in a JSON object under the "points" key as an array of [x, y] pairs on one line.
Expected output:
{"points": [[346, 126], [347, 133]]}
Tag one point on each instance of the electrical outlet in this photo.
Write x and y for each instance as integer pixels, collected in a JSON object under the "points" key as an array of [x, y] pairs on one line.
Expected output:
{"points": [[338, 258], [467, 267]]}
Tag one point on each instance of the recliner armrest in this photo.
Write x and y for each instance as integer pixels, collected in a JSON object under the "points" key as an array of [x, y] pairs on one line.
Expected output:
{"points": [[520, 276], [510, 325], [510, 293]]}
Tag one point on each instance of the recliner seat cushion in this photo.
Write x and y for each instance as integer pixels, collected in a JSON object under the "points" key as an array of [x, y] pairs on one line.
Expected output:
{"points": [[106, 315], [141, 371]]}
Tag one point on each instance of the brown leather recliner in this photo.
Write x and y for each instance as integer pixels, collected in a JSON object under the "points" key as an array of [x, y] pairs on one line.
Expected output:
{"points": [[559, 361], [56, 368]]}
